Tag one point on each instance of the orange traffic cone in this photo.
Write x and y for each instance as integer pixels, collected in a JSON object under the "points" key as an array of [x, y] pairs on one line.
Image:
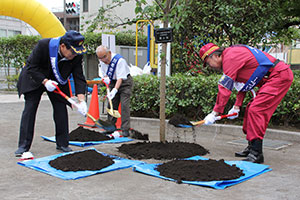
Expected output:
{"points": [[119, 120], [93, 109]]}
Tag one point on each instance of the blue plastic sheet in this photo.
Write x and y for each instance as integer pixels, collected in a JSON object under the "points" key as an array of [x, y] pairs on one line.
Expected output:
{"points": [[42, 165], [85, 144], [249, 169]]}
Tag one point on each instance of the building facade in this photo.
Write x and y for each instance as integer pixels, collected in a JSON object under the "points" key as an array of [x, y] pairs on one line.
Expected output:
{"points": [[10, 26]]}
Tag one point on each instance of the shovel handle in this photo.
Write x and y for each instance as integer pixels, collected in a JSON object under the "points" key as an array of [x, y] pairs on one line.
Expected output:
{"points": [[90, 82], [225, 116], [217, 118], [58, 91], [198, 123], [109, 100]]}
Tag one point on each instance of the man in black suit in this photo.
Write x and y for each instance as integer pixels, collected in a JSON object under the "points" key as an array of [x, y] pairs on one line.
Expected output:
{"points": [[51, 62]]}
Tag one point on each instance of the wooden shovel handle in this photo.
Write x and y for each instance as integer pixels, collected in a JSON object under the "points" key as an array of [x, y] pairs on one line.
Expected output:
{"points": [[109, 100], [198, 123], [217, 118], [90, 82]]}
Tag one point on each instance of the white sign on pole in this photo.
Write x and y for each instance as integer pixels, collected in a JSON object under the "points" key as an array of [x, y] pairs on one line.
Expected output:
{"points": [[168, 59], [109, 41]]}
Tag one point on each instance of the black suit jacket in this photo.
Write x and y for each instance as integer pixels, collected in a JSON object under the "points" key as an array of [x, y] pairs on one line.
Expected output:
{"points": [[38, 67]]}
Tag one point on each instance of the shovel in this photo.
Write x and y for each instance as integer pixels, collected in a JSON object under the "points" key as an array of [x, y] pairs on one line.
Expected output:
{"points": [[198, 123], [111, 111], [99, 123]]}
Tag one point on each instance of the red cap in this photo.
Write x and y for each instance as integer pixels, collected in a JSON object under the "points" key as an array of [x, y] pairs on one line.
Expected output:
{"points": [[206, 50]]}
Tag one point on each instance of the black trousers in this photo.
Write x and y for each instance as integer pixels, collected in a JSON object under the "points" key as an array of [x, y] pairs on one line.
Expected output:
{"points": [[60, 116]]}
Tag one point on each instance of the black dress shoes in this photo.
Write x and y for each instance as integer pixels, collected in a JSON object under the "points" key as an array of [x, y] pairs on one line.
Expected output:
{"points": [[64, 149], [254, 157], [243, 153], [255, 154]]}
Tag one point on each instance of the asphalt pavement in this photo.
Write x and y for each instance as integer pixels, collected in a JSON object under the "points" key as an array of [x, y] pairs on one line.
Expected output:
{"points": [[18, 182]]}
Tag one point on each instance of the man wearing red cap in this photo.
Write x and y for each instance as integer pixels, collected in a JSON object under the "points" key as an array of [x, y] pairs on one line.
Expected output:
{"points": [[244, 68]]}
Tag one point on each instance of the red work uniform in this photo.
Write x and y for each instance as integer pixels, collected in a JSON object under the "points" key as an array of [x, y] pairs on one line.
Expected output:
{"points": [[239, 64]]}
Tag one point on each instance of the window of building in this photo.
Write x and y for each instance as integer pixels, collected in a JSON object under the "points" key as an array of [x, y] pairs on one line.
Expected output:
{"points": [[12, 33], [2, 33], [85, 7], [8, 33]]}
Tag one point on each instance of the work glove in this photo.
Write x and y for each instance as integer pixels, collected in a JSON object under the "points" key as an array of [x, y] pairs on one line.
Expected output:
{"points": [[106, 80], [49, 85], [82, 108], [233, 110], [112, 93], [210, 118]]}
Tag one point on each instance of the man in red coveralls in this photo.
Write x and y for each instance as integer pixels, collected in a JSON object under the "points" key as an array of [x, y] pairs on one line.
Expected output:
{"points": [[244, 68]]}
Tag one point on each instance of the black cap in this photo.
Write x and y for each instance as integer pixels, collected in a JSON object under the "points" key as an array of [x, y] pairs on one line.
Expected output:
{"points": [[75, 41]]}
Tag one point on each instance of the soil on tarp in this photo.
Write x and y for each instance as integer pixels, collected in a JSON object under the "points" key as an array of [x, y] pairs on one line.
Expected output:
{"points": [[80, 161], [199, 170], [84, 135], [179, 119], [162, 151]]}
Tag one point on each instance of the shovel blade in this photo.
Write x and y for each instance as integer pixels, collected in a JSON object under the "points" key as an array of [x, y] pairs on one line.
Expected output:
{"points": [[113, 113], [105, 125], [102, 124], [184, 126]]}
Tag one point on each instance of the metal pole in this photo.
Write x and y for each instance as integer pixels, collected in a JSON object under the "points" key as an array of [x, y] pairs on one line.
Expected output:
{"points": [[65, 18]]}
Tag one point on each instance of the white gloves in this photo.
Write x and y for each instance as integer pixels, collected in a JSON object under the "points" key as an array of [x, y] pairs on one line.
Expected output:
{"points": [[82, 108], [233, 110], [106, 80], [210, 118], [112, 93], [49, 85]]}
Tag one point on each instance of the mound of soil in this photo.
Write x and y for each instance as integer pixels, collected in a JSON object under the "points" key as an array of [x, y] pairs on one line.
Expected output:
{"points": [[138, 135], [83, 135], [199, 170], [179, 119], [160, 151], [80, 161]]}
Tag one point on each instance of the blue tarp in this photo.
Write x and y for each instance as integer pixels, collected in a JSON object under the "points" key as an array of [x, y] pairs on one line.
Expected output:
{"points": [[42, 165], [85, 144], [249, 169]]}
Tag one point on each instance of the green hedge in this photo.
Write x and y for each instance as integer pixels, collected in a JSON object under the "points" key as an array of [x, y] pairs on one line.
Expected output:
{"points": [[16, 49], [195, 97]]}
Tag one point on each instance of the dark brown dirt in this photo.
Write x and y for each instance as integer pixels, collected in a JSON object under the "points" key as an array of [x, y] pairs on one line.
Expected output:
{"points": [[160, 151], [188, 170], [83, 135], [199, 170], [138, 135], [80, 161], [179, 119]]}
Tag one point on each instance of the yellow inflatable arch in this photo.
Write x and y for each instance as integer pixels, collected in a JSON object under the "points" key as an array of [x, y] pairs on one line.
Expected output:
{"points": [[34, 13]]}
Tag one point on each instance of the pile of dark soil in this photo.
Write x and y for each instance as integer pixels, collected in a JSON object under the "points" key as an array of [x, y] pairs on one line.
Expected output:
{"points": [[80, 161], [179, 119], [199, 170], [160, 151], [138, 135], [83, 135]]}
